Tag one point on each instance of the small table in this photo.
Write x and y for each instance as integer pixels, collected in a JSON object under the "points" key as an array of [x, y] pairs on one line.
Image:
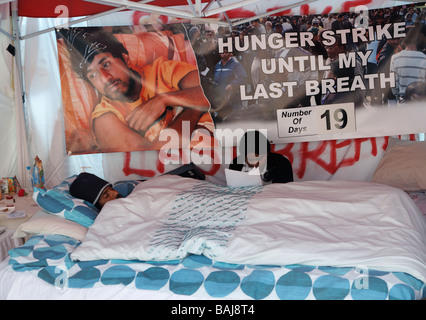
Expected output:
{"points": [[25, 204]]}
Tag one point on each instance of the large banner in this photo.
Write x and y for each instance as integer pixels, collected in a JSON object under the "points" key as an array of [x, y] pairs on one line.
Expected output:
{"points": [[298, 78], [129, 89], [321, 77]]}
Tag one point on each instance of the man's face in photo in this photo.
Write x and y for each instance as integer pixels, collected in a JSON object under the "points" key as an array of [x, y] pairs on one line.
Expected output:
{"points": [[111, 77]]}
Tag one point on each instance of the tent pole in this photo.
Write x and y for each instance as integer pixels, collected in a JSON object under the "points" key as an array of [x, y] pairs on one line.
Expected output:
{"points": [[229, 7], [7, 34], [141, 6], [18, 51], [145, 7], [192, 8], [225, 14], [207, 6], [271, 13], [198, 7], [20, 101]]}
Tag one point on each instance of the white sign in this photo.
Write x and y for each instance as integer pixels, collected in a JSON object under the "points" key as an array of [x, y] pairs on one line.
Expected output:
{"points": [[324, 119], [297, 122]]}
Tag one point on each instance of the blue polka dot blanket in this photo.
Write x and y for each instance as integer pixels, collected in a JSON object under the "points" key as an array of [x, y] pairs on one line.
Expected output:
{"points": [[199, 277], [180, 237]]}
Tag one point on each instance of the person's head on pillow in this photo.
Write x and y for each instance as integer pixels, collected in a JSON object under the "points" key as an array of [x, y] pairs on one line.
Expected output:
{"points": [[93, 189]]}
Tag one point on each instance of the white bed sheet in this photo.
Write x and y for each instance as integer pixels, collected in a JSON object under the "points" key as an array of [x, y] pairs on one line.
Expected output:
{"points": [[323, 223]]}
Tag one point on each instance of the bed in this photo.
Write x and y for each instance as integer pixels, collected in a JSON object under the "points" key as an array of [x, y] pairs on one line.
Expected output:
{"points": [[181, 238]]}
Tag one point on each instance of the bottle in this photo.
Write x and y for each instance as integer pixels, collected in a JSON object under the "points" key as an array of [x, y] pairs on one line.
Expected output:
{"points": [[29, 180], [38, 174], [36, 177]]}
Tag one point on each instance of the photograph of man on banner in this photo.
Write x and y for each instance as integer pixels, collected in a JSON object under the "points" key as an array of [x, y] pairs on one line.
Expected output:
{"points": [[135, 101]]}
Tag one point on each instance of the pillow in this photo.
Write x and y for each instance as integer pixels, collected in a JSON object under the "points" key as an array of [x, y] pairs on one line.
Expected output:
{"points": [[59, 202], [45, 223], [403, 165]]}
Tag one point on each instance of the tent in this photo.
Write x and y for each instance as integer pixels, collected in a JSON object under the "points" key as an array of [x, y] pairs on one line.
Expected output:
{"points": [[31, 119]]}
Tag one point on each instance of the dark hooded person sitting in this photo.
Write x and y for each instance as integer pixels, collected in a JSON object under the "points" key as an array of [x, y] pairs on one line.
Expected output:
{"points": [[255, 152]]}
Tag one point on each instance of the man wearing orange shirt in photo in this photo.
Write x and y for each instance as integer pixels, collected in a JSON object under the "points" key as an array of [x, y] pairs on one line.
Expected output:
{"points": [[137, 103]]}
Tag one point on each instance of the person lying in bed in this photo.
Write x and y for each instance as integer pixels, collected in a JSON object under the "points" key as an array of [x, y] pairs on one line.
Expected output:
{"points": [[97, 191], [255, 152], [93, 189]]}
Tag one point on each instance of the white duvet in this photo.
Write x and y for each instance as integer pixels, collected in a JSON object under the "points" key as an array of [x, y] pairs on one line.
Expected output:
{"points": [[320, 223]]}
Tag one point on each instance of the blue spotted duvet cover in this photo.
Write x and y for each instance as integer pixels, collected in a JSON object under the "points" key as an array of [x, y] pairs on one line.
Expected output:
{"points": [[47, 257]]}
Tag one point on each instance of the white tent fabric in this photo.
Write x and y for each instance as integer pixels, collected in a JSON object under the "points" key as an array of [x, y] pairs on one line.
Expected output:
{"points": [[13, 129], [9, 118]]}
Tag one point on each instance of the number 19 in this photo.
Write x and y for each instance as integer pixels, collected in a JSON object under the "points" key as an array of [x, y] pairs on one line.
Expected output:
{"points": [[340, 116]]}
